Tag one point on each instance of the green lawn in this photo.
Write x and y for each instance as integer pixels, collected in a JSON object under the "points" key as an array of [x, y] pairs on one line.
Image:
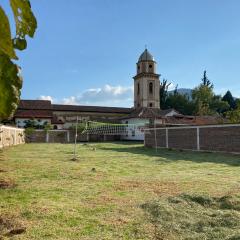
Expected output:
{"points": [[117, 191]]}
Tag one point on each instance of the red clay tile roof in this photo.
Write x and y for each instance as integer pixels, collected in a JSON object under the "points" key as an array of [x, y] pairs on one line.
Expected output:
{"points": [[33, 113], [145, 113], [209, 120], [35, 104], [78, 108]]}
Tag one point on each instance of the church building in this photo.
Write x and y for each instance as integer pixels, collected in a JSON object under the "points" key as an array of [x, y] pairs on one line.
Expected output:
{"points": [[146, 109]]}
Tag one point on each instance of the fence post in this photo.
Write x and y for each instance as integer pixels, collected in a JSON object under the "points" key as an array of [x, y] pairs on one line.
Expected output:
{"points": [[68, 136], [1, 137], [198, 140], [166, 137], [47, 136], [15, 137]]}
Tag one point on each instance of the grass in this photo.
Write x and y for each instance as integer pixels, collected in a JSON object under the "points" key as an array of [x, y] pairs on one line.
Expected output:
{"points": [[117, 191]]}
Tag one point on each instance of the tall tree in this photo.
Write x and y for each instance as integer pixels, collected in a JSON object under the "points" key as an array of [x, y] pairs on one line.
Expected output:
{"points": [[180, 102], [219, 106], [206, 81], [202, 97], [206, 102], [234, 114], [163, 92], [10, 77], [229, 98]]}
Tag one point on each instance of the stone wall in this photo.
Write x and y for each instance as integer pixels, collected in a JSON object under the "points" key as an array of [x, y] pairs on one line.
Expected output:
{"points": [[222, 138], [10, 136]]}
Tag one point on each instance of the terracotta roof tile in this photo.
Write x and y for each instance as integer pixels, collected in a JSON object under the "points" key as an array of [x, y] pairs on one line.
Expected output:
{"points": [[79, 108], [35, 104], [33, 114]]}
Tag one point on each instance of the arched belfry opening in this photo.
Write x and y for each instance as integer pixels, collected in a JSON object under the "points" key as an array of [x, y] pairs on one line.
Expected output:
{"points": [[146, 82]]}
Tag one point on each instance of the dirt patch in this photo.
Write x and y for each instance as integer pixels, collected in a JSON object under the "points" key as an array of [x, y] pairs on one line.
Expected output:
{"points": [[166, 188], [2, 171], [6, 183], [9, 226]]}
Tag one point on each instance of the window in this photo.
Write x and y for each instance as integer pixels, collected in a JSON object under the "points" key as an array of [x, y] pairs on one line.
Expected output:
{"points": [[150, 104], [150, 87], [138, 88], [133, 133], [150, 66]]}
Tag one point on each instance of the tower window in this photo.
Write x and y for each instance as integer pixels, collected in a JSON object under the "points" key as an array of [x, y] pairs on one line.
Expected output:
{"points": [[150, 66], [150, 87], [150, 104], [138, 88]]}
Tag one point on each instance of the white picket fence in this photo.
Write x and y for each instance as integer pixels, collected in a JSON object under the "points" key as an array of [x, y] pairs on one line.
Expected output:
{"points": [[10, 136]]}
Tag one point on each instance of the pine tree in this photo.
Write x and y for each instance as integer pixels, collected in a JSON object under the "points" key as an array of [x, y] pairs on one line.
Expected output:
{"points": [[206, 81], [229, 98]]}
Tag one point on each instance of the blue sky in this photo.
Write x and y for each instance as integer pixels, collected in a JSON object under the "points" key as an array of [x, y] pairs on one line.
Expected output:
{"points": [[85, 51]]}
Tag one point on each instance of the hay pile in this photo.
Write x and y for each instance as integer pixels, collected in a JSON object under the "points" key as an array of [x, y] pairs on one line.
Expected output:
{"points": [[195, 217]]}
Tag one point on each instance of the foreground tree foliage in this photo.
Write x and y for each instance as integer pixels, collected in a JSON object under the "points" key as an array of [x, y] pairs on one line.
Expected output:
{"points": [[10, 77]]}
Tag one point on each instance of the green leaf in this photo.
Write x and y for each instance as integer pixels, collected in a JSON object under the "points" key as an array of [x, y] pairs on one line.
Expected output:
{"points": [[6, 45], [26, 22], [10, 85], [19, 43]]}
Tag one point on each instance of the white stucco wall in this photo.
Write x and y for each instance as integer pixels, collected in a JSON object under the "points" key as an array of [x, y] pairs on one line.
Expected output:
{"points": [[135, 133], [172, 113], [20, 122]]}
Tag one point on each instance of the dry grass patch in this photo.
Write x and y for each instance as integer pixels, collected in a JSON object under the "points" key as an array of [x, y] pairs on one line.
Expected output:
{"points": [[166, 188], [10, 225], [7, 183], [195, 217]]}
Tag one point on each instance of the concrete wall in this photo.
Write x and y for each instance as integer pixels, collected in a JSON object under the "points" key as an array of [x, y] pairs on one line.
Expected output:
{"points": [[222, 138], [10, 136], [132, 131]]}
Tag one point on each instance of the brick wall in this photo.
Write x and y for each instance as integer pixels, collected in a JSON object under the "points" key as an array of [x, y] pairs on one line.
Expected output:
{"points": [[220, 139], [65, 136], [10, 136], [224, 138], [160, 137], [182, 138]]}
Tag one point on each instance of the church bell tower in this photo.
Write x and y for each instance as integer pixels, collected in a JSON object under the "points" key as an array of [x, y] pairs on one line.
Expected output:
{"points": [[146, 82]]}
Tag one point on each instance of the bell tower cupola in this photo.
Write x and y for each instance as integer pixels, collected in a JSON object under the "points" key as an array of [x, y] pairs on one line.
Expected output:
{"points": [[146, 82]]}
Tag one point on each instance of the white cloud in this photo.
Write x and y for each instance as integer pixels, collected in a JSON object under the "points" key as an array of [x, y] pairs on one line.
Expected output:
{"points": [[70, 101], [42, 97], [105, 96], [171, 87]]}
